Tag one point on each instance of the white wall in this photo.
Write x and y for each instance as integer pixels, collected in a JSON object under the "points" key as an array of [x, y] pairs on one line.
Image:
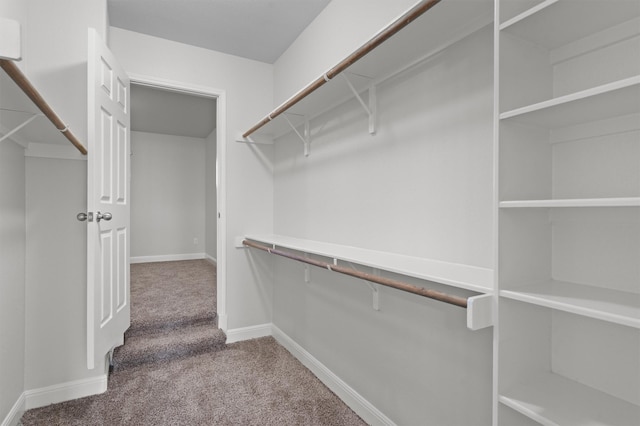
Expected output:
{"points": [[421, 186], [12, 255], [167, 195], [248, 87], [54, 59], [56, 273], [350, 22], [211, 201], [12, 274]]}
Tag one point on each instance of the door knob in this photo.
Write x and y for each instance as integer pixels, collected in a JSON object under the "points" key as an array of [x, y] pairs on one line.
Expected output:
{"points": [[105, 216], [84, 216]]}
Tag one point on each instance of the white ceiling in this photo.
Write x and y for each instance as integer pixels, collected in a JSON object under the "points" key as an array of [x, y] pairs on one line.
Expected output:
{"points": [[254, 29], [171, 113]]}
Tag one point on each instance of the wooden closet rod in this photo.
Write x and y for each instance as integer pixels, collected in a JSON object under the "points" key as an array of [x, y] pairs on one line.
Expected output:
{"points": [[21, 80], [377, 40], [399, 285]]}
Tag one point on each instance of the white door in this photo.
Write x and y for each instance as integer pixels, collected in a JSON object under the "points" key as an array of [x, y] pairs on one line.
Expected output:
{"points": [[108, 310]]}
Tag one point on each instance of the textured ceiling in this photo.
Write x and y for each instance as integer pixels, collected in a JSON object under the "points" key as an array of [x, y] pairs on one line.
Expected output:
{"points": [[256, 29]]}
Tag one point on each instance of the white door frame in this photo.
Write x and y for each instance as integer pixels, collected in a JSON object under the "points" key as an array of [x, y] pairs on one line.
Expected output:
{"points": [[221, 161]]}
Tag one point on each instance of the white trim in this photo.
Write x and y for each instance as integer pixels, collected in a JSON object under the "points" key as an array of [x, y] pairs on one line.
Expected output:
{"points": [[346, 393], [15, 414], [210, 258], [223, 322], [221, 161], [65, 391], [246, 333], [167, 257]]}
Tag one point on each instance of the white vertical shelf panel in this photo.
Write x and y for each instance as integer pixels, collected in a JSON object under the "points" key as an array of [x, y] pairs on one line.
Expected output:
{"points": [[553, 400]]}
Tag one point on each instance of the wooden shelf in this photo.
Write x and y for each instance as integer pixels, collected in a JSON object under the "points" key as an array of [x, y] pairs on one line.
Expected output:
{"points": [[453, 274], [609, 100], [555, 23], [570, 202], [594, 302], [551, 399], [444, 24]]}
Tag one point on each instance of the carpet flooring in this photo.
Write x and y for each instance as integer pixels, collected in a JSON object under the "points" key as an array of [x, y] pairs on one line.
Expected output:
{"points": [[172, 378]]}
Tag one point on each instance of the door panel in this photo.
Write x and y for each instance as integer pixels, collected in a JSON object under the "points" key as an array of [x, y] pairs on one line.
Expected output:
{"points": [[108, 168]]}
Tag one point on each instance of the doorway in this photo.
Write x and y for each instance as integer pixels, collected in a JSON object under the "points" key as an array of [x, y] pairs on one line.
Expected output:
{"points": [[177, 187]]}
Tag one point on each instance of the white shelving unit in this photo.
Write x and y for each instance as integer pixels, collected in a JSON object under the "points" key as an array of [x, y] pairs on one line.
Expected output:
{"points": [[438, 28], [453, 274], [569, 212], [479, 307]]}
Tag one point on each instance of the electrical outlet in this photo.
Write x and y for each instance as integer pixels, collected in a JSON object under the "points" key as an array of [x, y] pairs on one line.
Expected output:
{"points": [[195, 241]]}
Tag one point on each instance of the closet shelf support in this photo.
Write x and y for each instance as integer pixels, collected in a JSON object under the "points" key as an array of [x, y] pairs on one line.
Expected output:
{"points": [[20, 126], [305, 138], [25, 85], [370, 108]]}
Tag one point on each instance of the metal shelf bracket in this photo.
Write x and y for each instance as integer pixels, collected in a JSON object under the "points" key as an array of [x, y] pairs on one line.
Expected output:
{"points": [[306, 137], [375, 303], [371, 107], [20, 126], [251, 140]]}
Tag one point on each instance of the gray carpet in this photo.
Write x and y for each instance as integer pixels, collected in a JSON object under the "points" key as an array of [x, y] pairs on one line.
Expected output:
{"points": [[166, 375], [172, 294], [172, 313]]}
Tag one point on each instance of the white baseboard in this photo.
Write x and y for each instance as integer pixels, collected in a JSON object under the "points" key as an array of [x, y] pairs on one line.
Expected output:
{"points": [[65, 391], [167, 257], [15, 414], [369, 413], [222, 322], [210, 258], [246, 333]]}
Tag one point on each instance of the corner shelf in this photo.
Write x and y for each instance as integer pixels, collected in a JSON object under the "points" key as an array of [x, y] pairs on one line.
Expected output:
{"points": [[551, 399], [614, 306]]}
